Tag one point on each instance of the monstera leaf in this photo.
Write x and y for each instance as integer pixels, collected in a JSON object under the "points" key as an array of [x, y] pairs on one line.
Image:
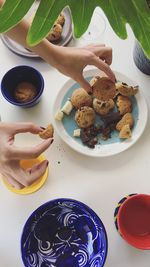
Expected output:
{"points": [[12, 12], [119, 12]]}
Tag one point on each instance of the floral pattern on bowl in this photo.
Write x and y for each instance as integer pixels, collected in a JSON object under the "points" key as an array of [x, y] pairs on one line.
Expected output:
{"points": [[64, 233]]}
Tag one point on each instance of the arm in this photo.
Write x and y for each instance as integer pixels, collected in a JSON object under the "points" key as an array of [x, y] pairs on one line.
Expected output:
{"points": [[68, 60], [45, 49]]}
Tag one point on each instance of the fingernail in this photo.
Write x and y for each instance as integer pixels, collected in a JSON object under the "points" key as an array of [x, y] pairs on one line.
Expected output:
{"points": [[47, 163], [42, 128], [90, 92], [52, 141]]}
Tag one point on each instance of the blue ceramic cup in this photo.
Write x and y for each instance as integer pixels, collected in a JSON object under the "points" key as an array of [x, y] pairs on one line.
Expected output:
{"points": [[17, 75], [64, 233], [141, 61]]}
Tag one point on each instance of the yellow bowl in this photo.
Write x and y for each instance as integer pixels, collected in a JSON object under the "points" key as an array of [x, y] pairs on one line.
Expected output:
{"points": [[25, 164]]}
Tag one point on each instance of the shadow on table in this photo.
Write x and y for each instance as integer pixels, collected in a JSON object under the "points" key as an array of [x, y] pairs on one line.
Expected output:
{"points": [[130, 254]]}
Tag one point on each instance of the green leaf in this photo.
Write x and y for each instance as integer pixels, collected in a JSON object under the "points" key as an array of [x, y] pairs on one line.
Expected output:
{"points": [[136, 13], [141, 22], [82, 12], [12, 12], [114, 13], [119, 12]]}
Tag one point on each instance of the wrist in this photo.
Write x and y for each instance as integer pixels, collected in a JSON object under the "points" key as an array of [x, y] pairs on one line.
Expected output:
{"points": [[46, 51], [53, 54], [61, 56]]}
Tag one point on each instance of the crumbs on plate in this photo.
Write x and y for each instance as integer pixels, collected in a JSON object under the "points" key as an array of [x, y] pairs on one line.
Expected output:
{"points": [[110, 101]]}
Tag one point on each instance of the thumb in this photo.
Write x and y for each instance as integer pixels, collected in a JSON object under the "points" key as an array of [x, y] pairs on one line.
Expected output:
{"points": [[37, 171], [84, 84]]}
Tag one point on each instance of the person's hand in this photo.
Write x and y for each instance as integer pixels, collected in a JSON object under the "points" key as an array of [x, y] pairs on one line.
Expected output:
{"points": [[10, 155], [72, 61]]}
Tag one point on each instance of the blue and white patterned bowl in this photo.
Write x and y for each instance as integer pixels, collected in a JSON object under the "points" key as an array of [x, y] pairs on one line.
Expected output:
{"points": [[64, 233]]}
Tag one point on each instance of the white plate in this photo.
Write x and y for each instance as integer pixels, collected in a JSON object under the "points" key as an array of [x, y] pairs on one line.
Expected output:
{"points": [[113, 145], [65, 38]]}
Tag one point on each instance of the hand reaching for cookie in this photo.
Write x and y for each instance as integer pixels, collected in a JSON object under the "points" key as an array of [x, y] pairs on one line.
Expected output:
{"points": [[72, 61], [11, 155]]}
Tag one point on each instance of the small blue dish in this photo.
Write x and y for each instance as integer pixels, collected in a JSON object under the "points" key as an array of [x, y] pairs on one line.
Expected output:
{"points": [[64, 233], [17, 75]]}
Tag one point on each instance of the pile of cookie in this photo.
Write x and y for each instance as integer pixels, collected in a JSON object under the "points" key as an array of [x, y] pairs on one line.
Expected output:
{"points": [[111, 101], [56, 31]]}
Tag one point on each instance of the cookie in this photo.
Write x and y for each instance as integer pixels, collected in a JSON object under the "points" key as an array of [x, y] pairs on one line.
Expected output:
{"points": [[48, 132], [55, 33], [125, 132], [126, 90], [25, 92], [93, 80], [81, 98], [116, 94], [85, 117], [126, 119], [103, 107], [124, 104], [60, 20], [104, 89]]}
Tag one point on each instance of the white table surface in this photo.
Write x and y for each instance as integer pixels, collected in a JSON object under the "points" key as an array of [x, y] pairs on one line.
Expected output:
{"points": [[100, 183]]}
